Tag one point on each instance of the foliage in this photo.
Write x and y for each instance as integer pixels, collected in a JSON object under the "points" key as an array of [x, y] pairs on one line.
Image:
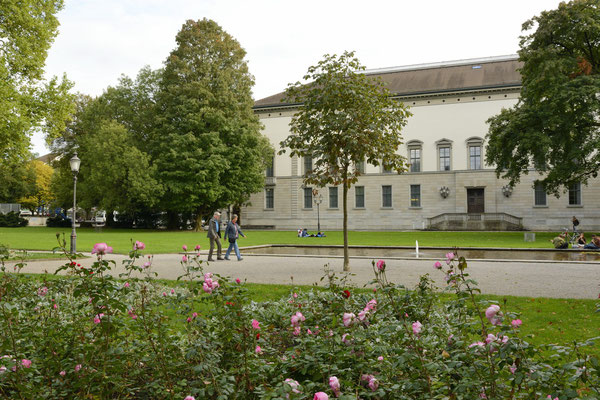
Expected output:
{"points": [[42, 195], [58, 221], [89, 335], [27, 29], [17, 179], [207, 145], [554, 126], [346, 117], [12, 220]]}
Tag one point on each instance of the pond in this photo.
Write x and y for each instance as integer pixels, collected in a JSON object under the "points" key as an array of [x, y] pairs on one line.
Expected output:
{"points": [[436, 253]]}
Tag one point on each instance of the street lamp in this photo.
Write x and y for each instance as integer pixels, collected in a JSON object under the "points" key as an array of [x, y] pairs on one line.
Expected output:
{"points": [[318, 199], [74, 162]]}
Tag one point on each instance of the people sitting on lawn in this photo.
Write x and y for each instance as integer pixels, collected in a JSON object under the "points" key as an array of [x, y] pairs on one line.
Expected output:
{"points": [[299, 232], [594, 243], [580, 241], [321, 234], [305, 233], [559, 242]]}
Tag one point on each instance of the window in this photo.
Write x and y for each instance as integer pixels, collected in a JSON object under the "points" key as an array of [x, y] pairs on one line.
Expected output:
{"points": [[474, 157], [269, 198], [540, 194], [386, 196], [415, 195], [415, 160], [575, 194], [333, 197], [359, 196], [308, 164], [444, 153], [270, 170], [414, 155], [386, 169], [444, 148], [474, 145], [307, 197], [360, 167]]}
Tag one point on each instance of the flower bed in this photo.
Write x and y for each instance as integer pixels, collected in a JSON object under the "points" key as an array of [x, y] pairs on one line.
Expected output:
{"points": [[90, 335]]}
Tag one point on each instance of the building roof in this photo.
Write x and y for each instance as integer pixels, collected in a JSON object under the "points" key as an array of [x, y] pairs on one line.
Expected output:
{"points": [[450, 76]]}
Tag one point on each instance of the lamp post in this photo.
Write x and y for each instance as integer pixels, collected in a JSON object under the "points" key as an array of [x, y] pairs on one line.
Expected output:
{"points": [[318, 199], [74, 162]]}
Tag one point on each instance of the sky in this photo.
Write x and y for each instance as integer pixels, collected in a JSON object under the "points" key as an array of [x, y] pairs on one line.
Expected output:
{"points": [[99, 40]]}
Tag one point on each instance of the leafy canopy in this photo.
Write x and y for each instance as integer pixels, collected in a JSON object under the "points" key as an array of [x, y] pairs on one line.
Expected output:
{"points": [[555, 126], [345, 118]]}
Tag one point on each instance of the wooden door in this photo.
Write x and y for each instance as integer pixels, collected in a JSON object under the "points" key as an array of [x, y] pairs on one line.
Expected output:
{"points": [[475, 201]]}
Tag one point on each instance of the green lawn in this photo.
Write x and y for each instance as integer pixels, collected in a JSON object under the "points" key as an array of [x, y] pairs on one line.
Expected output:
{"points": [[42, 238]]}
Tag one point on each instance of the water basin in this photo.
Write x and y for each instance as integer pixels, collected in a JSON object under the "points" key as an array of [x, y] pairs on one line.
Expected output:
{"points": [[436, 253]]}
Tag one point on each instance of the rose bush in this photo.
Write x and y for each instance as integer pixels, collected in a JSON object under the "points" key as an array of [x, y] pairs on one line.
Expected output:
{"points": [[91, 335]]}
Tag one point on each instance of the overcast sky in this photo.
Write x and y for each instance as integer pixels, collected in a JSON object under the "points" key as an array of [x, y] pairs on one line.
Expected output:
{"points": [[101, 39]]}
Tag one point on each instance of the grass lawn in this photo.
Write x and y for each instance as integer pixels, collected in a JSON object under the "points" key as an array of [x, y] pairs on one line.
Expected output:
{"points": [[39, 256], [42, 238]]}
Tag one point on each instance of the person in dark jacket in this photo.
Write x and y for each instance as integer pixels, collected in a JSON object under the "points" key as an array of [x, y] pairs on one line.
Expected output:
{"points": [[232, 233], [214, 234]]}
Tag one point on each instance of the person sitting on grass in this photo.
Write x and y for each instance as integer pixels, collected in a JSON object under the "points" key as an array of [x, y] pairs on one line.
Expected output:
{"points": [[559, 242], [321, 234], [305, 233], [580, 242], [594, 243]]}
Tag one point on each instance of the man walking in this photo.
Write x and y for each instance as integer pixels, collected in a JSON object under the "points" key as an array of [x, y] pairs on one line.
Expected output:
{"points": [[214, 234]]}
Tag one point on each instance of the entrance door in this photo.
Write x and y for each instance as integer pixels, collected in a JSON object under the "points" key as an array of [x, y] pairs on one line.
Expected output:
{"points": [[475, 201]]}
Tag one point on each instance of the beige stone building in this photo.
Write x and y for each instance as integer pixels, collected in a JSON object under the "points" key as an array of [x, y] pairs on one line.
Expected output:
{"points": [[448, 185]]}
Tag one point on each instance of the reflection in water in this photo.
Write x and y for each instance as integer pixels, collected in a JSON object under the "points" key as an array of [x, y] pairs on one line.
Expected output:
{"points": [[512, 254]]}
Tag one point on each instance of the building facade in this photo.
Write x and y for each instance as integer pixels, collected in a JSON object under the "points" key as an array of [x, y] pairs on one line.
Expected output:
{"points": [[448, 184]]}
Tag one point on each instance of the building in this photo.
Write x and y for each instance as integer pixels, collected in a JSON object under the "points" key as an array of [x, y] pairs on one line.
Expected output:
{"points": [[448, 186]]}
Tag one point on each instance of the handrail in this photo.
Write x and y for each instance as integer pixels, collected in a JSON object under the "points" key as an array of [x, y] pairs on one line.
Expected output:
{"points": [[464, 217]]}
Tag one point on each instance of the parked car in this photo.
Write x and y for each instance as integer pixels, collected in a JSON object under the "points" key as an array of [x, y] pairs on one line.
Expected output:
{"points": [[25, 213]]}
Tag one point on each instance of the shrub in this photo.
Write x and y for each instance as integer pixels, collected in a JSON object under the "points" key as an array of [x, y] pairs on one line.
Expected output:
{"points": [[12, 220], [89, 335], [58, 222]]}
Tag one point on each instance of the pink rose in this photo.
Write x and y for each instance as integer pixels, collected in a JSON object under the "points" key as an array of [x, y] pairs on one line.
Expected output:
{"points": [[297, 318], [164, 294], [77, 367], [348, 318], [255, 324], [184, 247], [26, 363], [172, 291], [371, 305], [492, 313], [126, 285], [184, 258], [381, 265], [62, 373], [147, 264], [513, 368], [437, 265], [42, 291], [416, 327], [478, 344], [362, 315], [321, 396], [237, 280], [293, 384], [197, 247], [258, 350], [194, 315], [207, 288], [189, 398], [373, 384], [296, 331], [208, 275], [101, 249], [516, 323], [334, 384], [139, 245], [380, 358]]}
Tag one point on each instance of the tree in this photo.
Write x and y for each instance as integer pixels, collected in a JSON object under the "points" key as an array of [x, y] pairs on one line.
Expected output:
{"points": [[207, 146], [27, 29], [42, 195], [17, 179], [555, 126], [345, 118]]}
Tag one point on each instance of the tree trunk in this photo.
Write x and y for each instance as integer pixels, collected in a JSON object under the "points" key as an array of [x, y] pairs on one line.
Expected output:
{"points": [[346, 257]]}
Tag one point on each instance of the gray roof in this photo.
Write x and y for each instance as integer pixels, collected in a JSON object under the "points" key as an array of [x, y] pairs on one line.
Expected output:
{"points": [[474, 74]]}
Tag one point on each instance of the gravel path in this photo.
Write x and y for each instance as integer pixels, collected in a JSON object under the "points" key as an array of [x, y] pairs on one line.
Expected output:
{"points": [[535, 279]]}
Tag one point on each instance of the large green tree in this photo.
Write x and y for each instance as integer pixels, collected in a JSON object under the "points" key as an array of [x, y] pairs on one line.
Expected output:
{"points": [[345, 118], [110, 134], [27, 102], [207, 146], [555, 126]]}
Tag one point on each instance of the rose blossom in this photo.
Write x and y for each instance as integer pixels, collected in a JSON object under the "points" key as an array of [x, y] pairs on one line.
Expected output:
{"points": [[297, 318], [139, 245], [293, 384], [77, 367], [147, 264], [26, 363], [197, 247], [184, 258], [237, 280], [189, 398], [348, 318], [255, 324], [380, 265], [42, 291], [492, 313], [437, 265], [184, 247], [416, 327], [373, 384], [334, 384], [101, 249], [321, 396], [62, 373], [380, 358], [516, 323], [126, 285], [258, 350]]}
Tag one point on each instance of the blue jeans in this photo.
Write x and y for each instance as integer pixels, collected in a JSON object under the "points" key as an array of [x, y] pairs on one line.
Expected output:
{"points": [[234, 246], [590, 246]]}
